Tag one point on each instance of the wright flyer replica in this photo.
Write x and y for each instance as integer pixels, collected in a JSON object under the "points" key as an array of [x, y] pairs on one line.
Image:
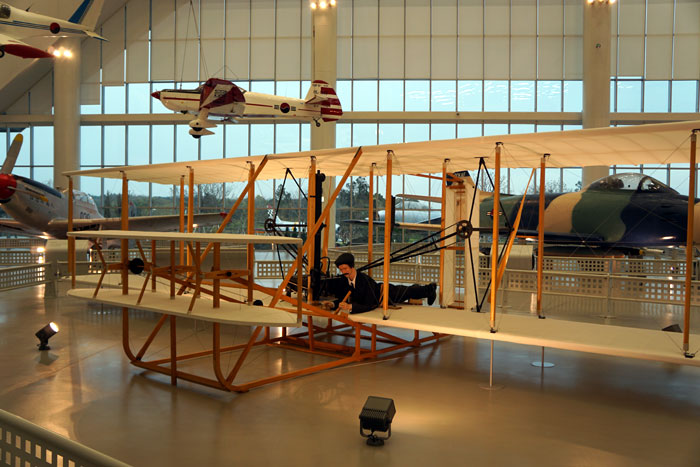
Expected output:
{"points": [[181, 287]]}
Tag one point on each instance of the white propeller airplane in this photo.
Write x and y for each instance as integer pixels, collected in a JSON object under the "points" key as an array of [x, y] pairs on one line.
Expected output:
{"points": [[39, 210], [17, 24], [221, 98]]}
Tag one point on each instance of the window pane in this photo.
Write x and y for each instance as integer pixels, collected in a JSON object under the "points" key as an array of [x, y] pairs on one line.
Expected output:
{"points": [[549, 96], [187, 148], [344, 91], [306, 136], [573, 96], [684, 96], [443, 131], [236, 140], [495, 129], [390, 133], [287, 138], [262, 138], [417, 93], [343, 134], [469, 96], [265, 87], [518, 128], [162, 146], [629, 96], [417, 132], [572, 179], [495, 96], [115, 99], [444, 96], [468, 130], [212, 146], [91, 146], [138, 144], [364, 134], [43, 145], [365, 96], [115, 153], [656, 96], [45, 175], [139, 98], [93, 187], [289, 89], [391, 96], [522, 96]]}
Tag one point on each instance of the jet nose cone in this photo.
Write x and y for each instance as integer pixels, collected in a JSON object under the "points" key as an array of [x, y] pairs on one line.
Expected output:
{"points": [[156, 95], [7, 187]]}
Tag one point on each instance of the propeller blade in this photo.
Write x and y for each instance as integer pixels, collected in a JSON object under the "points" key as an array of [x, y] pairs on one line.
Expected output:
{"points": [[12, 154]]}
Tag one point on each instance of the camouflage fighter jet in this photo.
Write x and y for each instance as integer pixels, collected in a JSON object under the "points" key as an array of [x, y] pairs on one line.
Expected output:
{"points": [[621, 210]]}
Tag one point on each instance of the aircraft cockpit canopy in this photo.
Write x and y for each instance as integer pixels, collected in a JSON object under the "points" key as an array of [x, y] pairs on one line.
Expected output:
{"points": [[83, 198], [4, 11], [630, 182]]}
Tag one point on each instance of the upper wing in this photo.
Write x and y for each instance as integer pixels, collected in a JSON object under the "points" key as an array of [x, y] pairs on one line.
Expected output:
{"points": [[16, 47]]}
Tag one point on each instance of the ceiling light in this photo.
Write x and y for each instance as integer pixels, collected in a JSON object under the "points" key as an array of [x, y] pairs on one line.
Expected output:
{"points": [[313, 5], [323, 4]]}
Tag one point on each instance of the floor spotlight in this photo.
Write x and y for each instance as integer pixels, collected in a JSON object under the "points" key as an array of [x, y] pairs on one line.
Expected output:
{"points": [[673, 328], [45, 333], [377, 415]]}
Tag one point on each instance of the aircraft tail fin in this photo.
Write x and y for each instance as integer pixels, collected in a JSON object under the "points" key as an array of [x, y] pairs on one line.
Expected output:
{"points": [[12, 154], [324, 96], [87, 13]]}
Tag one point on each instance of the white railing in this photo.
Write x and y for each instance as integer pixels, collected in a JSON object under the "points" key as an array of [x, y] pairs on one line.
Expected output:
{"points": [[605, 285], [8, 257], [25, 276], [24, 443], [23, 243]]}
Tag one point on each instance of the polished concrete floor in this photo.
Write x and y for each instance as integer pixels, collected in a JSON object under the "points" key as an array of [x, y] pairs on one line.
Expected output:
{"points": [[585, 411]]}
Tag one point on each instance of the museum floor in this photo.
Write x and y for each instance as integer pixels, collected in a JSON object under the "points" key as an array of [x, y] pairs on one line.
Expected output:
{"points": [[587, 410]]}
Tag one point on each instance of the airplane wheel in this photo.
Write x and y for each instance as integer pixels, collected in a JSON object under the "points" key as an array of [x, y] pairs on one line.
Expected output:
{"points": [[196, 136], [2, 51], [318, 124]]}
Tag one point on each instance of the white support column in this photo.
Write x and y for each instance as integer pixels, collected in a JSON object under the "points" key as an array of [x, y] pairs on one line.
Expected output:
{"points": [[596, 75], [66, 100], [323, 67]]}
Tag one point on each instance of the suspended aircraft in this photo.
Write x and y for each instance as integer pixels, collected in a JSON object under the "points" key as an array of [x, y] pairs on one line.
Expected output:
{"points": [[39, 210], [222, 98], [17, 24]]}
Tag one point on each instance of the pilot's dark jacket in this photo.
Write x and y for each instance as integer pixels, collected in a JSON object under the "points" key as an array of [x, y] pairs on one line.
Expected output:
{"points": [[366, 295]]}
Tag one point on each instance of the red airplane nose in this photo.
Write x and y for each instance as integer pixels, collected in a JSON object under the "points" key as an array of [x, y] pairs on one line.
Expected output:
{"points": [[7, 186], [156, 94]]}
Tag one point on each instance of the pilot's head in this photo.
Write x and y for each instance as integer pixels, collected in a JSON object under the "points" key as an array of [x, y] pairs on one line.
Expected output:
{"points": [[346, 264]]}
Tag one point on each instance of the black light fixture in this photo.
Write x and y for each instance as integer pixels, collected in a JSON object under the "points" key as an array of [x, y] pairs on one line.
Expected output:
{"points": [[377, 415], [673, 328], [44, 334]]}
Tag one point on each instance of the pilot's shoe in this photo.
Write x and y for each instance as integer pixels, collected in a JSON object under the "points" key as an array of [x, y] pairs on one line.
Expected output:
{"points": [[431, 293]]}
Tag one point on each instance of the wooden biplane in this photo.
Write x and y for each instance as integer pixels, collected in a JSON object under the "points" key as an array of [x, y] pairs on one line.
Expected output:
{"points": [[371, 331]]}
